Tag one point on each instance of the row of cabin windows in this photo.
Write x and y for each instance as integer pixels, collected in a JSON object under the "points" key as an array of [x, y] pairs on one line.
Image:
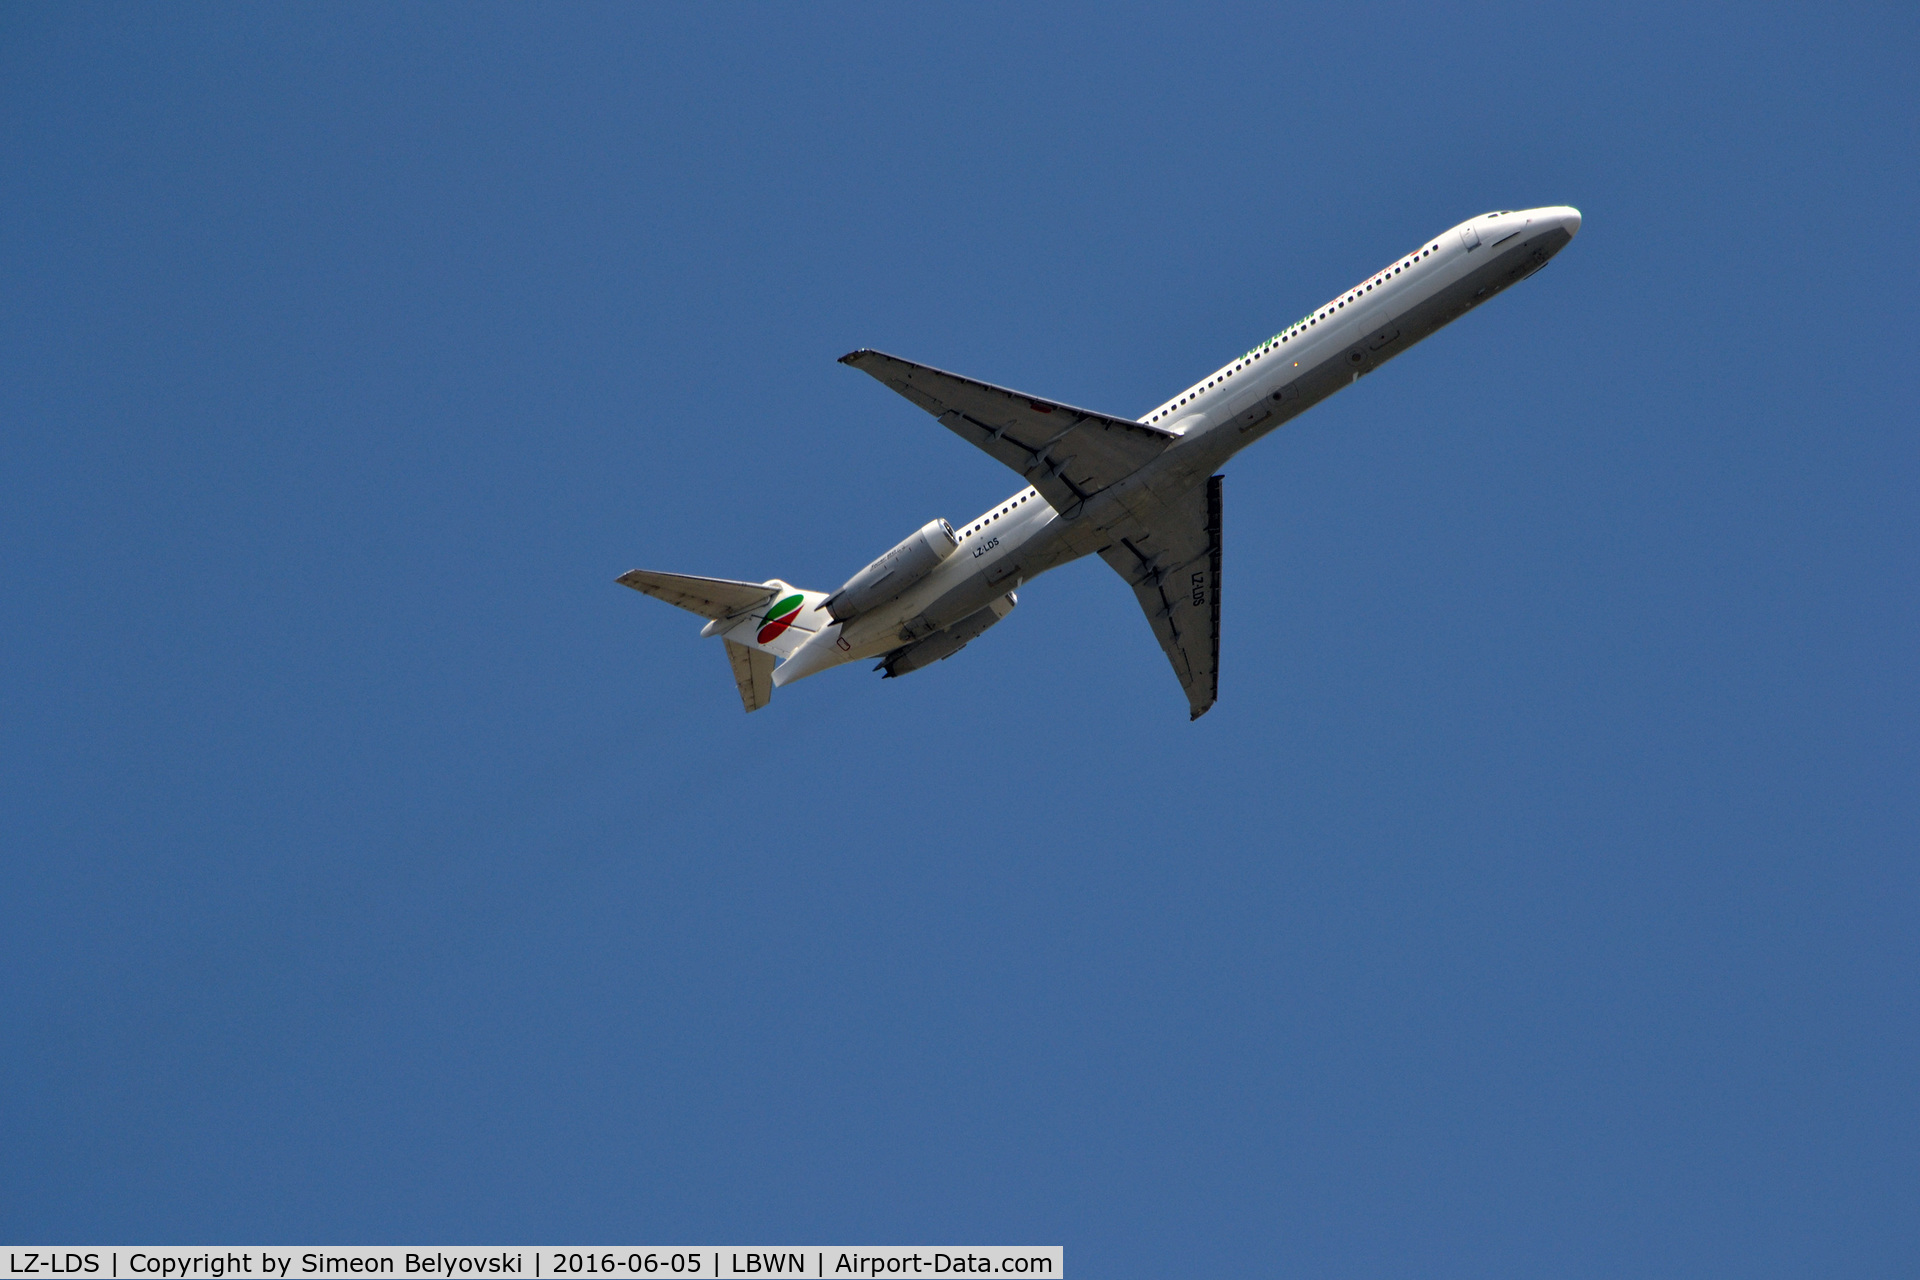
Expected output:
{"points": [[1378, 281], [984, 521]]}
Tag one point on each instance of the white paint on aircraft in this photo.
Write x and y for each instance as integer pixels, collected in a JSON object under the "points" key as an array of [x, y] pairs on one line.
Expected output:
{"points": [[1140, 493]]}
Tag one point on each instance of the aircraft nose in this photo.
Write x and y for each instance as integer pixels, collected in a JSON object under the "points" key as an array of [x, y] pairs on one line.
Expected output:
{"points": [[1566, 216]]}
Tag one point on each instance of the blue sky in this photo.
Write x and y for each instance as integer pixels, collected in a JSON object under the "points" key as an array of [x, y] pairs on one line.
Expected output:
{"points": [[1539, 898]]}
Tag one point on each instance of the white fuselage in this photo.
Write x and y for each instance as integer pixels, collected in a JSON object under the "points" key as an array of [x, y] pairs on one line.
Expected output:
{"points": [[1215, 418]]}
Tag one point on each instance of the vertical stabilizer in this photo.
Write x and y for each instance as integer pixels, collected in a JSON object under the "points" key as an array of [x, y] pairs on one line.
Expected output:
{"points": [[763, 622], [753, 673]]}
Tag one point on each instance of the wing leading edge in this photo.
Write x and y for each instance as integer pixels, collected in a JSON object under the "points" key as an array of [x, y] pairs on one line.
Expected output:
{"points": [[1172, 562], [1067, 454]]}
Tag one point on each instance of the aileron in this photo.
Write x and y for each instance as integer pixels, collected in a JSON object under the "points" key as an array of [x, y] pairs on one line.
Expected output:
{"points": [[1173, 565], [1068, 454], [1142, 494]]}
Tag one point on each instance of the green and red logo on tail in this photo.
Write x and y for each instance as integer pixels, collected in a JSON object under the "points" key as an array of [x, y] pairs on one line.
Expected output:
{"points": [[779, 618]]}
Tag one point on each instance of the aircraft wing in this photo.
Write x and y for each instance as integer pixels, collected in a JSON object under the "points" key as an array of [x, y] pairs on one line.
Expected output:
{"points": [[1172, 562], [1068, 454], [708, 597]]}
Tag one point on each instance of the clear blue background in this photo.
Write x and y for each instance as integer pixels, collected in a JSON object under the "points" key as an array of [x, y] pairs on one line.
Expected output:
{"points": [[1540, 898]]}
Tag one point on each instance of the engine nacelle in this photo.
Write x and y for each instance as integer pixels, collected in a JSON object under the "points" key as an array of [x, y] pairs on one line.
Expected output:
{"points": [[944, 644], [890, 575]]}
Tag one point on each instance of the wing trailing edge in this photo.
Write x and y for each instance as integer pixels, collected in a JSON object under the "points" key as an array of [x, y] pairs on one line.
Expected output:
{"points": [[1066, 453], [1172, 562]]}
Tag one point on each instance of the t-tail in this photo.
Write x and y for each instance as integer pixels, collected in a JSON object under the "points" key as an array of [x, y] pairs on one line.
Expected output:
{"points": [[763, 622]]}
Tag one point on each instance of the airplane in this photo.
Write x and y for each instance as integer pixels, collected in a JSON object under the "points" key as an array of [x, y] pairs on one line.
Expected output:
{"points": [[1141, 493]]}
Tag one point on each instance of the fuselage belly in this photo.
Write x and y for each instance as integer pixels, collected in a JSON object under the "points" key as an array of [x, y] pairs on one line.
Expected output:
{"points": [[1328, 349]]}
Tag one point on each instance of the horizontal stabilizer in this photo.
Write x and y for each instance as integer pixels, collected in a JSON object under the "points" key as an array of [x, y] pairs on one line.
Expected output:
{"points": [[762, 623], [708, 597]]}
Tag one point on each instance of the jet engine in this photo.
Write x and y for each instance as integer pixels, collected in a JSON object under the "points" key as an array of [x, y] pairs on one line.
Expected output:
{"points": [[890, 575], [944, 644]]}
